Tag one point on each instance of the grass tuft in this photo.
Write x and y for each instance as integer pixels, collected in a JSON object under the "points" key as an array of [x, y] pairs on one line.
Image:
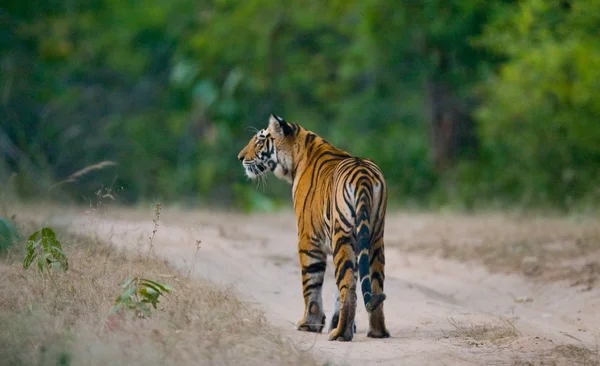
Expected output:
{"points": [[69, 320], [480, 333]]}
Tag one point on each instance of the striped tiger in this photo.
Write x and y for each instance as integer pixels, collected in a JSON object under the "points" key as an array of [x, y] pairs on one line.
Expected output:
{"points": [[340, 205]]}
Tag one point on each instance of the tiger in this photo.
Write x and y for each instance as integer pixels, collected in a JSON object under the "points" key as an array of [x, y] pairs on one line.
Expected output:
{"points": [[340, 205]]}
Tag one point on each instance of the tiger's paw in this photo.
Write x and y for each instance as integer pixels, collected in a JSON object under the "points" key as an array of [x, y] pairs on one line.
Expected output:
{"points": [[311, 324], [335, 319], [378, 333], [342, 335]]}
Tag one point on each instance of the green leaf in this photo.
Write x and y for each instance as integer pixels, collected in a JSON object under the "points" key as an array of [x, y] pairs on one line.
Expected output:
{"points": [[32, 244], [151, 287], [48, 233], [162, 286], [29, 257], [128, 282], [40, 262], [149, 295], [149, 291], [33, 236], [45, 245], [128, 293]]}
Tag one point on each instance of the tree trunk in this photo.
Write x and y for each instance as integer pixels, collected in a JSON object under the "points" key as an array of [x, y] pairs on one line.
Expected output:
{"points": [[452, 130]]}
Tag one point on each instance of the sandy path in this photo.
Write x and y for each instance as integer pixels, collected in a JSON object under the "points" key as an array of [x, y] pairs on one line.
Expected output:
{"points": [[256, 255]]}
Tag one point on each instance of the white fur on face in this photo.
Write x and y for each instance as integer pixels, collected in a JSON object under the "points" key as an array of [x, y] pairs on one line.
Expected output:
{"points": [[280, 171], [262, 133], [260, 164], [266, 160]]}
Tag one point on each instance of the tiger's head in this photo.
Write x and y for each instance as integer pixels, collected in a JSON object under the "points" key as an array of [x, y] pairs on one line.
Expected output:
{"points": [[270, 150]]}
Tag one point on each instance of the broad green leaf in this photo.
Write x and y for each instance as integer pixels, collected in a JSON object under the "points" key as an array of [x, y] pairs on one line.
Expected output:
{"points": [[33, 236], [45, 244], [48, 233], [29, 258], [33, 244]]}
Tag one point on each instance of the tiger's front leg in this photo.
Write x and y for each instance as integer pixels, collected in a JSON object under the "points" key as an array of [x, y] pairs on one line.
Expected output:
{"points": [[313, 264]]}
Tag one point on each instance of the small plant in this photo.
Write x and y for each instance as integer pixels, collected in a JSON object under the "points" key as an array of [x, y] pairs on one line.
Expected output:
{"points": [[156, 220], [198, 242], [47, 249], [138, 293]]}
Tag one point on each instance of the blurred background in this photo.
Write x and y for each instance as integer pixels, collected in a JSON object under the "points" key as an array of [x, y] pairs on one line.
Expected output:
{"points": [[464, 104]]}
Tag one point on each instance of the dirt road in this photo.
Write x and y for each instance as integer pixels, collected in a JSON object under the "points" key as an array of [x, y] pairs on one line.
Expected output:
{"points": [[439, 312]]}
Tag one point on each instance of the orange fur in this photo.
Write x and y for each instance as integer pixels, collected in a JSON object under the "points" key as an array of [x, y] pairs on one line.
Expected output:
{"points": [[340, 204]]}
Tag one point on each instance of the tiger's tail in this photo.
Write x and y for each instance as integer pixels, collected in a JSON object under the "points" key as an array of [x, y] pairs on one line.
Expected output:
{"points": [[363, 239]]}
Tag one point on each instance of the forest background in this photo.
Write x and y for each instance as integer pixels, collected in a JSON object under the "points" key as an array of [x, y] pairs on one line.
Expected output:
{"points": [[464, 104]]}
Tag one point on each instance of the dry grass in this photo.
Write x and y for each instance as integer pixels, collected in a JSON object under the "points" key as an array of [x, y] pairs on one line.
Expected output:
{"points": [[478, 334], [563, 355], [80, 173], [68, 320], [548, 248]]}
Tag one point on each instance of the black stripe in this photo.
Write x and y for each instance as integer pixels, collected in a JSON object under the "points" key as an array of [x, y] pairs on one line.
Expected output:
{"points": [[316, 254], [358, 172], [341, 271], [313, 180], [314, 268], [339, 243], [341, 217], [377, 276], [307, 289], [375, 255]]}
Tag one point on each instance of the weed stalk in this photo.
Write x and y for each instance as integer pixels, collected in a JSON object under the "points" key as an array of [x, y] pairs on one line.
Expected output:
{"points": [[156, 220]]}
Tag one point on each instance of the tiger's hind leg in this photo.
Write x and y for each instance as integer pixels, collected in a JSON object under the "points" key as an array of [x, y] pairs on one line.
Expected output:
{"points": [[377, 327], [313, 263], [344, 259]]}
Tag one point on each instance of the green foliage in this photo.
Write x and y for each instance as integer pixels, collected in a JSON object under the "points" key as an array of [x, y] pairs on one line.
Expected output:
{"points": [[250, 199], [46, 251], [8, 235], [539, 119], [138, 293], [168, 89]]}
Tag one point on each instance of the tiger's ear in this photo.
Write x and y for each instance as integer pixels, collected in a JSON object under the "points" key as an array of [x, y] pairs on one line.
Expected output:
{"points": [[279, 127]]}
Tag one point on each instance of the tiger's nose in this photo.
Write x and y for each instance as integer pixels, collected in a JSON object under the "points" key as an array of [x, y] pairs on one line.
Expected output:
{"points": [[241, 157]]}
